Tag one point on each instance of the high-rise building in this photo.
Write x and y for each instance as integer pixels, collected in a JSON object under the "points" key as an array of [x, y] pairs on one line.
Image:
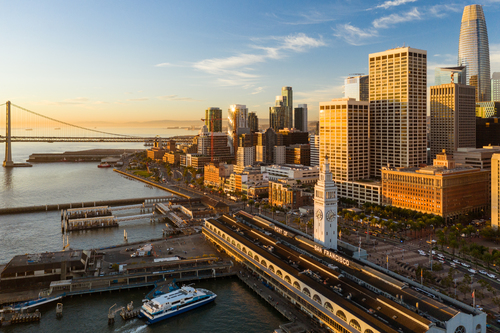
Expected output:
{"points": [[219, 141], [277, 114], [398, 102], [245, 156], [495, 191], [237, 119], [453, 118], [344, 124], [301, 117], [474, 51], [495, 86], [314, 140], [253, 122], [213, 116], [325, 209], [445, 75], [488, 109], [357, 87], [287, 94]]}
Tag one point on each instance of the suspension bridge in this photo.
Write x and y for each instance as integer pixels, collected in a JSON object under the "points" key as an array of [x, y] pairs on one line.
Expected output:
{"points": [[25, 125]]}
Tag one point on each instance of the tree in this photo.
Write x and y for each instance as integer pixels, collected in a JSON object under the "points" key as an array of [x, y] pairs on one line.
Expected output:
{"points": [[251, 203], [464, 285], [454, 245]]}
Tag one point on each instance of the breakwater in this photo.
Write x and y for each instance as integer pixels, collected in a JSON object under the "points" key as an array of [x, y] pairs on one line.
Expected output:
{"points": [[43, 208]]}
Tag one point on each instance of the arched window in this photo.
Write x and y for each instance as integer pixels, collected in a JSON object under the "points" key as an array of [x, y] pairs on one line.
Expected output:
{"points": [[218, 231], [288, 280], [460, 329], [317, 299], [256, 258], [233, 242], [279, 273], [341, 315], [271, 268], [263, 262], [354, 323], [296, 285], [250, 253], [368, 331], [238, 246], [245, 250], [328, 306], [478, 328], [306, 292]]}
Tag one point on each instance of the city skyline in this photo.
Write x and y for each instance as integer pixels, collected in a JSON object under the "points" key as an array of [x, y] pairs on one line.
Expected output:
{"points": [[175, 63]]}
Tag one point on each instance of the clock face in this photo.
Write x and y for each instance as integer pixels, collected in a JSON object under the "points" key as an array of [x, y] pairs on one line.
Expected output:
{"points": [[330, 216], [319, 214]]}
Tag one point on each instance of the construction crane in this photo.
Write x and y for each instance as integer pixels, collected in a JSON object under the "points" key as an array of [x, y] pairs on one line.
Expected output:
{"points": [[211, 136]]}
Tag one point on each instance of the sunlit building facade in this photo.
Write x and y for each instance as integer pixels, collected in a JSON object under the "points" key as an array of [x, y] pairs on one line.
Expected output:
{"points": [[287, 94], [357, 87], [495, 86], [237, 118], [474, 51], [213, 116], [398, 102]]}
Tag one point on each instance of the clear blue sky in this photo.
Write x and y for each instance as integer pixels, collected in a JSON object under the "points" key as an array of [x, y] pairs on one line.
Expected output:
{"points": [[148, 60]]}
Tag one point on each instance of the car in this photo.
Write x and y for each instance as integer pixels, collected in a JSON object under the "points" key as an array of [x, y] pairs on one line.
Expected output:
{"points": [[133, 255], [472, 271], [440, 255], [483, 272], [433, 252], [456, 261], [465, 265], [442, 261], [423, 254], [452, 264], [491, 275]]}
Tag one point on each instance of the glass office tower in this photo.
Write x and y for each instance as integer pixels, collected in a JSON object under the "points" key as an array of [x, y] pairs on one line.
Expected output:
{"points": [[474, 51]]}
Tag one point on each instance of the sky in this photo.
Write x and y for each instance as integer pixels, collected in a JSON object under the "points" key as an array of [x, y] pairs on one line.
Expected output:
{"points": [[117, 62]]}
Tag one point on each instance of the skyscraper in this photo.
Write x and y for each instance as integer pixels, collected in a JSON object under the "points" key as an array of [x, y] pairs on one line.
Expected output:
{"points": [[277, 114], [287, 94], [357, 87], [253, 122], [214, 114], [444, 75], [237, 116], [453, 118], [495, 86], [301, 117], [398, 102], [474, 51]]}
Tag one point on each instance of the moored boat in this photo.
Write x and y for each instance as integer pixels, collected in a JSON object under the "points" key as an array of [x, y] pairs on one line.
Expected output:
{"points": [[104, 165], [174, 303]]}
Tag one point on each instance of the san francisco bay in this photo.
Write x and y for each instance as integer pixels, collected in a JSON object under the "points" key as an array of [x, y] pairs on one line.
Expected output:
{"points": [[235, 310]]}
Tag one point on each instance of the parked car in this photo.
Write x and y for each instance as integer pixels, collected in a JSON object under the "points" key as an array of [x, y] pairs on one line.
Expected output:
{"points": [[465, 265], [472, 271]]}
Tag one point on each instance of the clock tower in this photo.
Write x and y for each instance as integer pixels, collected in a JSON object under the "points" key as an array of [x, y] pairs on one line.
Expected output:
{"points": [[325, 208]]}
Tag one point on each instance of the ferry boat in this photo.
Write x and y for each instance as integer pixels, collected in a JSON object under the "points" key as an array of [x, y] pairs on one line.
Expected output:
{"points": [[175, 302], [104, 165]]}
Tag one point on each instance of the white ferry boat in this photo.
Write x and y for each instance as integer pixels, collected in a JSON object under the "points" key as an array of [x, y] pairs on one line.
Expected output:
{"points": [[174, 303]]}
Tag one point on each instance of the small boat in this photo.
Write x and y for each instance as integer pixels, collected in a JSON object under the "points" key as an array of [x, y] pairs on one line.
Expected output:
{"points": [[174, 303], [104, 165]]}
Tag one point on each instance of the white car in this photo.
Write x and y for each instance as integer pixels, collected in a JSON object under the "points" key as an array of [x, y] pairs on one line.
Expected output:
{"points": [[456, 261], [433, 252], [490, 275], [483, 272], [472, 271], [452, 264], [440, 255], [465, 265], [423, 254], [442, 261]]}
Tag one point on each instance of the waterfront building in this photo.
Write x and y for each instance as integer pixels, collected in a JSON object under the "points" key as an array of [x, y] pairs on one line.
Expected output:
{"points": [[298, 154], [287, 99], [301, 117], [495, 191], [487, 109], [443, 189], [253, 122], [299, 173], [314, 140], [474, 51], [453, 118], [343, 138], [444, 75], [357, 87], [213, 116], [325, 209], [495, 86], [287, 194], [339, 292], [279, 155], [476, 157], [398, 102], [42, 268], [173, 158], [237, 118], [245, 156], [156, 152], [171, 145]]}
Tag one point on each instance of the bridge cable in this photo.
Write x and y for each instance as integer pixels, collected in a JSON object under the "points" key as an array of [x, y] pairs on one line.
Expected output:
{"points": [[68, 124]]}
